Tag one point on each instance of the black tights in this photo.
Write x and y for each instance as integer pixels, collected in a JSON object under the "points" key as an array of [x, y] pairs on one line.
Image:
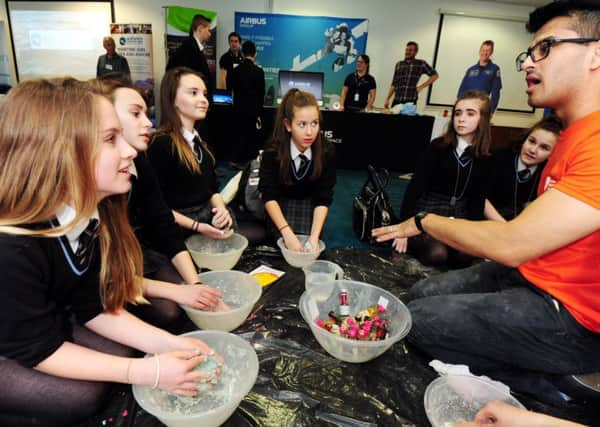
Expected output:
{"points": [[161, 312], [433, 252], [31, 397]]}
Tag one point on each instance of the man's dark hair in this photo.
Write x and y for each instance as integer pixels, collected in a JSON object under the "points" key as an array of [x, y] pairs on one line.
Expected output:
{"points": [[415, 44], [234, 34], [248, 48], [197, 21], [585, 12]]}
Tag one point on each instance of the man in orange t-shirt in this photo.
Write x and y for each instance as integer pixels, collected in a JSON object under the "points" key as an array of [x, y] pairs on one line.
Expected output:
{"points": [[533, 312]]}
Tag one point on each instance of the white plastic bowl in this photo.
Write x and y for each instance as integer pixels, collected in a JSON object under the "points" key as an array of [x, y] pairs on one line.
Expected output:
{"points": [[455, 398], [216, 254], [318, 301], [210, 408], [300, 259], [240, 292]]}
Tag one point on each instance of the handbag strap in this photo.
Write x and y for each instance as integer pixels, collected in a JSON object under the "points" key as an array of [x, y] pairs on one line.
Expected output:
{"points": [[379, 177]]}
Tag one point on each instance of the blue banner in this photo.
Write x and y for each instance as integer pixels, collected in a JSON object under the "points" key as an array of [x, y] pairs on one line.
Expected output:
{"points": [[304, 43]]}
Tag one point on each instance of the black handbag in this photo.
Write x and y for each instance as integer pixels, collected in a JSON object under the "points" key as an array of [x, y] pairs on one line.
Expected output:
{"points": [[248, 197], [371, 206]]}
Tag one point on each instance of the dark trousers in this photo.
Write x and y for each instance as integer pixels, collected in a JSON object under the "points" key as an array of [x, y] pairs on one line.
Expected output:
{"points": [[492, 319], [248, 139]]}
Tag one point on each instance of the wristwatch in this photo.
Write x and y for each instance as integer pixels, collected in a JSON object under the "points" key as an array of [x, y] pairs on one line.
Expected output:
{"points": [[418, 218]]}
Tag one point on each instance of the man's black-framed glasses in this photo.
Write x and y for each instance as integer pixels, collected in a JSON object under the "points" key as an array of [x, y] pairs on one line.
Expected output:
{"points": [[541, 49]]}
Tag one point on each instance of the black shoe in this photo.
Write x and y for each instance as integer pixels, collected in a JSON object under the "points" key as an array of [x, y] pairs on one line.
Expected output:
{"points": [[585, 387]]}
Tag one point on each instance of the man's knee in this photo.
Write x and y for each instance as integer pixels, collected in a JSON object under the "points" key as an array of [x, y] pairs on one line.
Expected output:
{"points": [[423, 288]]}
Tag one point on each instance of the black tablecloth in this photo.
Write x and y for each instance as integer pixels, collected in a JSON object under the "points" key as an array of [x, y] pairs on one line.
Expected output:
{"points": [[383, 140]]}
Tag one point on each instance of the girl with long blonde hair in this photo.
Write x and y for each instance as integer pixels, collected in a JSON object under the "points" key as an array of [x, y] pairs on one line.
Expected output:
{"points": [[70, 261]]}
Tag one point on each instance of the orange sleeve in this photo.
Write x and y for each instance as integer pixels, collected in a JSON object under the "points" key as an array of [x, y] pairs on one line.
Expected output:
{"points": [[582, 180]]}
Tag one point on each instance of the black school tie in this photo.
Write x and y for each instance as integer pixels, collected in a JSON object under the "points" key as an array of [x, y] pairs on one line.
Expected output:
{"points": [[198, 148], [465, 156], [86, 240], [524, 174], [303, 165]]}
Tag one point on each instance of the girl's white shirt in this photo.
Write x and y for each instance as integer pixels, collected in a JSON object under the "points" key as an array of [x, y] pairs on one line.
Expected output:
{"points": [[462, 144], [189, 137], [522, 166], [65, 215], [295, 154]]}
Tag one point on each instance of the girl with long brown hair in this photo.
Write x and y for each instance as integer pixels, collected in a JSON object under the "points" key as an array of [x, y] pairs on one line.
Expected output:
{"points": [[166, 259], [451, 178], [297, 173], [70, 261], [184, 166]]}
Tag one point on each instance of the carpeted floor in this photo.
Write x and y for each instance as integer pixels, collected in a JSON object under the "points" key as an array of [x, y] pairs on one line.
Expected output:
{"points": [[338, 232]]}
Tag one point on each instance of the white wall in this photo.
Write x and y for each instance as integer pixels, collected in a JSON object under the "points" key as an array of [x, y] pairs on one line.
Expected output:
{"points": [[391, 24]]}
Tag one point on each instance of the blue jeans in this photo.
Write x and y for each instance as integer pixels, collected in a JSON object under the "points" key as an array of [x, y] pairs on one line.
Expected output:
{"points": [[492, 319]]}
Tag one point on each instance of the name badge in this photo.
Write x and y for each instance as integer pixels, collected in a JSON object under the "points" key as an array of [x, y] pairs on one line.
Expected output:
{"points": [[356, 97], [235, 64], [108, 66]]}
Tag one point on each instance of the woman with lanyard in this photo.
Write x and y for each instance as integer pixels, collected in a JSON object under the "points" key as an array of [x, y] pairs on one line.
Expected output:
{"points": [[297, 173], [517, 175], [452, 178], [184, 166], [359, 89], [70, 262]]}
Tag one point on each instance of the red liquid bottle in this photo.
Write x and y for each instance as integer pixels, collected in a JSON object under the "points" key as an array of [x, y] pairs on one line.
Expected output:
{"points": [[344, 305]]}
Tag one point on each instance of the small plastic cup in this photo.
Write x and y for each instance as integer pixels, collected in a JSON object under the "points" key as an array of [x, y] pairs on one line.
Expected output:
{"points": [[319, 273]]}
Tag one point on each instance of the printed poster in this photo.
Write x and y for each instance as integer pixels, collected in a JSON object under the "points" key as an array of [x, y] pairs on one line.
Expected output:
{"points": [[304, 43], [134, 42]]}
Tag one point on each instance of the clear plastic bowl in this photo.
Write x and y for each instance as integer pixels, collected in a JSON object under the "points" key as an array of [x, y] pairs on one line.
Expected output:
{"points": [[456, 398], [240, 292], [318, 301], [215, 254], [210, 407], [300, 259]]}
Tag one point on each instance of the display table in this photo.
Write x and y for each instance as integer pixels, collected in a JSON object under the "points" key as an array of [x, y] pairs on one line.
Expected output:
{"points": [[383, 140], [299, 384]]}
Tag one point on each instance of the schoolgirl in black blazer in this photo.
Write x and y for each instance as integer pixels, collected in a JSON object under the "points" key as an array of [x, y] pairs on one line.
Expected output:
{"points": [[297, 173], [451, 178], [517, 171], [184, 166]]}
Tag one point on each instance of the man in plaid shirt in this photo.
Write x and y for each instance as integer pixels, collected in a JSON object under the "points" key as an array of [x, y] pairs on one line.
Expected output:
{"points": [[406, 76]]}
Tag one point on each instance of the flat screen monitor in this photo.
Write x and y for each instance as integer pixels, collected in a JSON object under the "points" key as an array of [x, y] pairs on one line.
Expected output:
{"points": [[307, 81], [223, 97]]}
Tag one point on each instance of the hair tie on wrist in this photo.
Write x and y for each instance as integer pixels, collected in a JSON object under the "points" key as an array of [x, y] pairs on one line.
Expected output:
{"points": [[287, 225]]}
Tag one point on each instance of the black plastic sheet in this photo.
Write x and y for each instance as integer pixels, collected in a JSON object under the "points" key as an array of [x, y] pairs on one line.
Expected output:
{"points": [[299, 384]]}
